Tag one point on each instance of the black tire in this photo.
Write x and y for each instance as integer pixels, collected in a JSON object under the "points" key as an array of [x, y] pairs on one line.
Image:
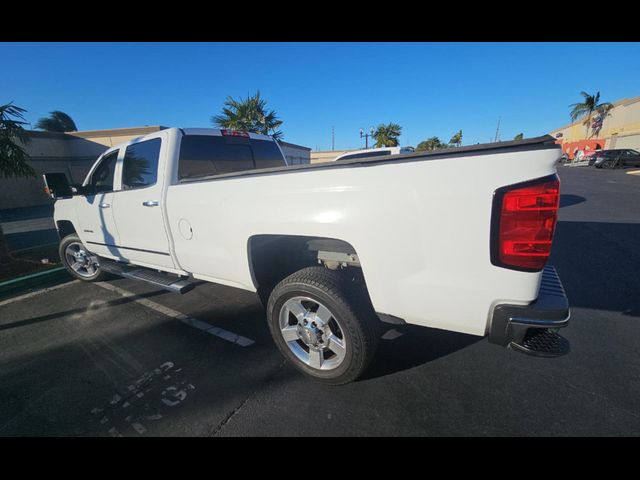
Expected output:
{"points": [[347, 300], [99, 274]]}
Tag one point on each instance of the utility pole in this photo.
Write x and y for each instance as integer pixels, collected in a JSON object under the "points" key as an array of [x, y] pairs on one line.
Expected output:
{"points": [[497, 131], [333, 138]]}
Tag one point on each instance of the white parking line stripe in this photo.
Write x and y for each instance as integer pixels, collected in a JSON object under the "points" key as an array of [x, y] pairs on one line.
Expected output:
{"points": [[37, 292], [169, 312]]}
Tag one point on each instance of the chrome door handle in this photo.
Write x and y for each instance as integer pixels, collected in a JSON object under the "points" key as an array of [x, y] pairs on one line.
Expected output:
{"points": [[105, 205], [151, 203]]}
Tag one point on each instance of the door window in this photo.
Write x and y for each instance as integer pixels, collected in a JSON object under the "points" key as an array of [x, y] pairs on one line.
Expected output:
{"points": [[140, 164], [102, 178]]}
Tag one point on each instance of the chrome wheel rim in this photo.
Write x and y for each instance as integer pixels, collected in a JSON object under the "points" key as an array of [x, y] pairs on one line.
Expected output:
{"points": [[312, 333], [80, 261]]}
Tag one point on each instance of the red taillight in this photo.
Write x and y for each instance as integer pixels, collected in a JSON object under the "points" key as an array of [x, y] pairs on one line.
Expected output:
{"points": [[234, 133], [524, 219]]}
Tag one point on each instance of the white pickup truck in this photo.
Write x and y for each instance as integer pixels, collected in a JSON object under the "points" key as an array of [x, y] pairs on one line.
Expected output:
{"points": [[455, 239]]}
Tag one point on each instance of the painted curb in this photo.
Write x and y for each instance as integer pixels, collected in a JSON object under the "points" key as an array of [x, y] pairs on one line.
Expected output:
{"points": [[20, 285]]}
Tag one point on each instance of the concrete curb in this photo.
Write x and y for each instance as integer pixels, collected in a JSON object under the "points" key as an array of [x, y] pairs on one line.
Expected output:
{"points": [[20, 285]]}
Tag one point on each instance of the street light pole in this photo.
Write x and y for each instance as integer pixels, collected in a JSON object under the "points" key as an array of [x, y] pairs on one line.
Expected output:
{"points": [[366, 136]]}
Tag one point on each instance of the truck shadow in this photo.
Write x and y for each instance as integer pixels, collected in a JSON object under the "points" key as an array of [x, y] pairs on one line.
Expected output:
{"points": [[566, 200], [599, 264], [415, 346]]}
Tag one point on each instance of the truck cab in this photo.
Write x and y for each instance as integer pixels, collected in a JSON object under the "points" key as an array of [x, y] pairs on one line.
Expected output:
{"points": [[119, 213]]}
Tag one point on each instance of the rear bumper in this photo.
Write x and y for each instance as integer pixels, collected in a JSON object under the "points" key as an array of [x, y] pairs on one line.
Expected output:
{"points": [[510, 323]]}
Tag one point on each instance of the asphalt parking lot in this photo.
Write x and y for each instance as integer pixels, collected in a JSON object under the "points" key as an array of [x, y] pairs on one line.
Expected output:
{"points": [[122, 358]]}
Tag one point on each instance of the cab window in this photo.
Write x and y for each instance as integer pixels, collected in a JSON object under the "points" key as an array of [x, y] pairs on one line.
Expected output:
{"points": [[140, 164], [102, 177], [206, 155]]}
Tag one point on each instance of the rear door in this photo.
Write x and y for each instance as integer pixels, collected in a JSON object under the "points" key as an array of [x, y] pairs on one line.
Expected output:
{"points": [[137, 204]]}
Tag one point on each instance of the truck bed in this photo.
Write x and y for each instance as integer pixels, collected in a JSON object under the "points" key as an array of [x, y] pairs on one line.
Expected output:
{"points": [[420, 224]]}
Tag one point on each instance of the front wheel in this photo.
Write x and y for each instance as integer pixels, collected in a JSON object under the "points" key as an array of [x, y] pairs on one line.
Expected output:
{"points": [[78, 261], [324, 324]]}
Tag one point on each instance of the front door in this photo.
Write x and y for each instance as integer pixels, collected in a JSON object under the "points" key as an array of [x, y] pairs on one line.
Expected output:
{"points": [[97, 228], [137, 205]]}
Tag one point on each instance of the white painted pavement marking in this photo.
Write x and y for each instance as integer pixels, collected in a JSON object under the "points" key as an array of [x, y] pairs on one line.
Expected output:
{"points": [[169, 312], [37, 292]]}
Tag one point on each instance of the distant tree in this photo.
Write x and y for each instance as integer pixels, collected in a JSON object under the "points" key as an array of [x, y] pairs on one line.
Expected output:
{"points": [[456, 139], [249, 115], [519, 136], [432, 143], [588, 107], [13, 158], [386, 135], [57, 121]]}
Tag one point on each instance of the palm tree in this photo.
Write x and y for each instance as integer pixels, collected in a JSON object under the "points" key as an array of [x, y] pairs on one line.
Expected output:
{"points": [[432, 143], [386, 135], [57, 121], [456, 139], [519, 136], [13, 158], [249, 115], [588, 107]]}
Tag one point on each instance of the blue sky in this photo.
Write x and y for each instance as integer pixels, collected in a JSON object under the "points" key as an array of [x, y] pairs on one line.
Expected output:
{"points": [[428, 88]]}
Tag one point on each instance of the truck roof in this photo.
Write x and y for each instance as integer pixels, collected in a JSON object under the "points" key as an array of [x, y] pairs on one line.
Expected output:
{"points": [[219, 132]]}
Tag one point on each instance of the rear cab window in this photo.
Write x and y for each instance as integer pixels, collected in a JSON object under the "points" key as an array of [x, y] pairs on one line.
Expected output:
{"points": [[207, 155]]}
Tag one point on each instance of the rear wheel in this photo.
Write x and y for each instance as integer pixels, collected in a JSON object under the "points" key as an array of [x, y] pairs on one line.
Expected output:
{"points": [[78, 261], [324, 324]]}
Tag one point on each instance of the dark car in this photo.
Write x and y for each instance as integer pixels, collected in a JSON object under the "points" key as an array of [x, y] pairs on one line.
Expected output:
{"points": [[624, 157]]}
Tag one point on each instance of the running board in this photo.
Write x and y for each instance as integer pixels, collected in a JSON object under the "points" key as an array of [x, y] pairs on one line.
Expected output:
{"points": [[167, 281]]}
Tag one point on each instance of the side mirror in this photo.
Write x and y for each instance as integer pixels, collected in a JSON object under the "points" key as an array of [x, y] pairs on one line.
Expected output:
{"points": [[56, 185]]}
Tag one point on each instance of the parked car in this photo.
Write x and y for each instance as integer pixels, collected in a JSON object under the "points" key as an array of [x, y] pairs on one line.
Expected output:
{"points": [[617, 158], [374, 152], [333, 250]]}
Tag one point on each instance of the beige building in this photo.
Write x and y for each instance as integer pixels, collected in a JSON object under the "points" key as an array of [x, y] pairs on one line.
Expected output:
{"points": [[327, 155], [619, 129], [75, 152]]}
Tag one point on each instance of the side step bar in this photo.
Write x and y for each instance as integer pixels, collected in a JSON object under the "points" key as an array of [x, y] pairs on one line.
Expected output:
{"points": [[167, 281]]}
